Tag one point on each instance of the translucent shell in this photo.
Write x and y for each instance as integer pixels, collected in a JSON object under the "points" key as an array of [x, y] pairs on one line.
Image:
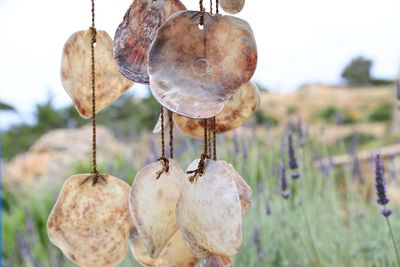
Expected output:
{"points": [[244, 190], [232, 6], [174, 252], [76, 75], [136, 32], [237, 110], [152, 203], [209, 212], [194, 71], [91, 224]]}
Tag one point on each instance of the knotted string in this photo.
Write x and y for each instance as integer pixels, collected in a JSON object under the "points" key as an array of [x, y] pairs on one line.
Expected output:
{"points": [[201, 166]]}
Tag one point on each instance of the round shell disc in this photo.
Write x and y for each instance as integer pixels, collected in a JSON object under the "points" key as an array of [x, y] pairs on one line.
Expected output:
{"points": [[76, 73], [209, 212], [152, 203], [236, 111], [232, 6], [194, 71], [91, 224], [136, 32], [244, 190], [174, 252]]}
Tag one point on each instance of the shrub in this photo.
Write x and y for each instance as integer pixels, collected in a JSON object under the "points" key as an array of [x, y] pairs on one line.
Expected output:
{"points": [[263, 118], [381, 113]]}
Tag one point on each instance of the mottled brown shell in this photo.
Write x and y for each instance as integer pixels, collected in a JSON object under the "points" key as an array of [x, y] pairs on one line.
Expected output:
{"points": [[244, 190], [136, 32], [91, 224], [236, 111], [76, 73], [193, 71], [232, 6], [152, 203], [174, 252], [209, 212]]}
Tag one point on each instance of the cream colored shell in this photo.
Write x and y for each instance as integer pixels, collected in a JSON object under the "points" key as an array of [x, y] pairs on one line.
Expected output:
{"points": [[232, 6], [244, 190], [91, 224], [152, 203], [76, 74], [174, 252], [209, 212]]}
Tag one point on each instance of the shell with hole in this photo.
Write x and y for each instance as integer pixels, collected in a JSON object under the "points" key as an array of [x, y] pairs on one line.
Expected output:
{"points": [[209, 212], [136, 32], [236, 111], [76, 73], [232, 6], [152, 202], [174, 252], [193, 71], [91, 224]]}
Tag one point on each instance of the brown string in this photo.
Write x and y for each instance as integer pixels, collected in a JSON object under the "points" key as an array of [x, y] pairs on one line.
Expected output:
{"points": [[209, 140], [95, 173], [162, 132], [201, 166], [214, 137], [217, 7], [202, 12], [211, 7], [171, 135], [163, 159]]}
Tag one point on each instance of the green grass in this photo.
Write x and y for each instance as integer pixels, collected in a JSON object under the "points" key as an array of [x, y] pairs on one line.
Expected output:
{"points": [[323, 223]]}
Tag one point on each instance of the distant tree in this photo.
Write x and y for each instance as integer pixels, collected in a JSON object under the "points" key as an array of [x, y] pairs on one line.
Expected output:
{"points": [[358, 72], [6, 107]]}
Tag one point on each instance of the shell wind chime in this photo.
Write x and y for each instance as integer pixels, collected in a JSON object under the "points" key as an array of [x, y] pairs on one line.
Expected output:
{"points": [[198, 65]]}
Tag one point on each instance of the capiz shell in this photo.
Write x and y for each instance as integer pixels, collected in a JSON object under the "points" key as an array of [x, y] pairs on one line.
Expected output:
{"points": [[236, 111], [209, 212], [152, 203], [174, 252], [232, 6], [136, 32], [91, 224], [193, 71], [244, 190], [76, 72]]}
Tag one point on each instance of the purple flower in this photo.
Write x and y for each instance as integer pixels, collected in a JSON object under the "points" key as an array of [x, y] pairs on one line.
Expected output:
{"points": [[380, 185], [292, 158], [398, 89], [283, 180]]}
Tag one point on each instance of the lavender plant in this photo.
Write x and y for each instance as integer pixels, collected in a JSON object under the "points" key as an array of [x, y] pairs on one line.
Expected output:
{"points": [[383, 200]]}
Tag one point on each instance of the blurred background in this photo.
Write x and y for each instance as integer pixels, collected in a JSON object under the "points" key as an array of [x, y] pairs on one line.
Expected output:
{"points": [[327, 72]]}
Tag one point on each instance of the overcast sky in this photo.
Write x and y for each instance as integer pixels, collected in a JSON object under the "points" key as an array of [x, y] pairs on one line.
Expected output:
{"points": [[299, 41]]}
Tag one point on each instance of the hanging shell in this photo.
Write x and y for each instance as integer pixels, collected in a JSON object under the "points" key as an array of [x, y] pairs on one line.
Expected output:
{"points": [[136, 32], [152, 203], [194, 71], [232, 6], [174, 253], [236, 111], [217, 261], [91, 224], [209, 212], [244, 190], [76, 73]]}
